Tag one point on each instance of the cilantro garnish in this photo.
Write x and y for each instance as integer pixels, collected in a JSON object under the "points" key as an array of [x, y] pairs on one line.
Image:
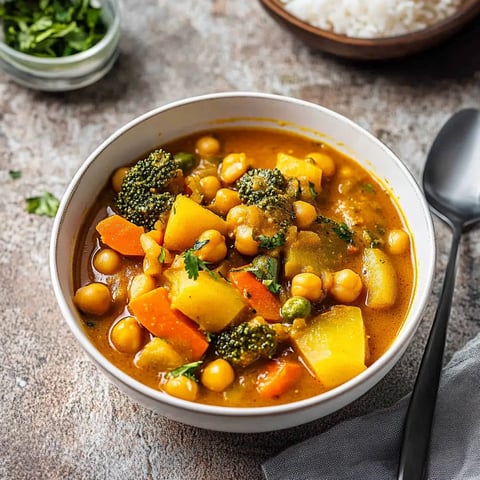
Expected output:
{"points": [[45, 204], [193, 264], [268, 243], [341, 229], [51, 28], [313, 193], [187, 370], [15, 174], [162, 256]]}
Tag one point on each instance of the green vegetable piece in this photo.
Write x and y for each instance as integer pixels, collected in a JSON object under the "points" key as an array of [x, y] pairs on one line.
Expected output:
{"points": [[266, 268], [193, 264], [295, 307], [246, 343], [45, 204], [15, 174], [48, 28], [185, 161], [187, 370]]}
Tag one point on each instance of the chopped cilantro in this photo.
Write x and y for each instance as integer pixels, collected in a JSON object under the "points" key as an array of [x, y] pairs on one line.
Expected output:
{"points": [[268, 243], [162, 256], [187, 370], [341, 229], [51, 28], [193, 264], [45, 204], [15, 174]]}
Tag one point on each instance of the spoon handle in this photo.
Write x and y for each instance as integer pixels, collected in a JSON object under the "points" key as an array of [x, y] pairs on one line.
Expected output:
{"points": [[419, 417]]}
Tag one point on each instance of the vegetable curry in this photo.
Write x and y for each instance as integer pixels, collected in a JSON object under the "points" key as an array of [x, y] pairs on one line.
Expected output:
{"points": [[244, 267]]}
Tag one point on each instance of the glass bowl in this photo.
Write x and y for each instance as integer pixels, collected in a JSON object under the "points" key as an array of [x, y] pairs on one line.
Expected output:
{"points": [[70, 72]]}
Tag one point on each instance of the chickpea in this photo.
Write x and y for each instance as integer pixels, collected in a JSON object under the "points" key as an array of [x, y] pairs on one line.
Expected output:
{"points": [[207, 146], [305, 213], [233, 167], [237, 216], [127, 335], [93, 298], [398, 242], [218, 375], [324, 161], [244, 241], [225, 199], [181, 387], [307, 285], [347, 285], [117, 178], [215, 250], [107, 261], [210, 186], [140, 284]]}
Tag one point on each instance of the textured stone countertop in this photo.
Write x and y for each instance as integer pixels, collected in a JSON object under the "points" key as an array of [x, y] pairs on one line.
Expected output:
{"points": [[59, 416]]}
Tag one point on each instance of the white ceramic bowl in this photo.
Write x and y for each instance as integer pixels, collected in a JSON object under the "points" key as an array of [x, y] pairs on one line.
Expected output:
{"points": [[238, 109]]}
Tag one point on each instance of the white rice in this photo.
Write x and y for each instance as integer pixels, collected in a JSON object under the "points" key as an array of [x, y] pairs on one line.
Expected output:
{"points": [[372, 18]]}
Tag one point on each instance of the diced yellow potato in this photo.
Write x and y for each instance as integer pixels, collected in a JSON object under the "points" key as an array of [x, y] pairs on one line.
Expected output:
{"points": [[187, 221], [158, 355], [211, 302], [300, 168], [380, 278], [333, 345]]}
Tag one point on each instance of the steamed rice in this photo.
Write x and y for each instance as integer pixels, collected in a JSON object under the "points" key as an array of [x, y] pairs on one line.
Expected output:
{"points": [[372, 18]]}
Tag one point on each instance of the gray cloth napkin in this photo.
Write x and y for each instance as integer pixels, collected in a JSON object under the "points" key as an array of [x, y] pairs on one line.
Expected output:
{"points": [[367, 448]]}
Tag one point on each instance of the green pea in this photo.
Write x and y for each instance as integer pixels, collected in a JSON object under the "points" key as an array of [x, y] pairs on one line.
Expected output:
{"points": [[296, 307]]}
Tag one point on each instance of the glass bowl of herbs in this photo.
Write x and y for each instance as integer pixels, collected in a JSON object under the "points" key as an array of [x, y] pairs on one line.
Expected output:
{"points": [[58, 45]]}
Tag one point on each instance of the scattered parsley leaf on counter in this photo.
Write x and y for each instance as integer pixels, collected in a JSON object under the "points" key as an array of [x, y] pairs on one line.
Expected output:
{"points": [[15, 174], [45, 204], [51, 28]]}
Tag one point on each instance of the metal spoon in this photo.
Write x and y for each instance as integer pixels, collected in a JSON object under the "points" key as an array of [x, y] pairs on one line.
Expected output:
{"points": [[451, 182]]}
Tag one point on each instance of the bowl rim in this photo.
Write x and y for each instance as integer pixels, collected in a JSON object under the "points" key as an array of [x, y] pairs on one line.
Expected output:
{"points": [[391, 356], [465, 11], [75, 58]]}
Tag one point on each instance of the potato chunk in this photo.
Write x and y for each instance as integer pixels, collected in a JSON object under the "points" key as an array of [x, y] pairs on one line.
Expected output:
{"points": [[333, 345], [187, 221], [211, 303], [380, 278]]}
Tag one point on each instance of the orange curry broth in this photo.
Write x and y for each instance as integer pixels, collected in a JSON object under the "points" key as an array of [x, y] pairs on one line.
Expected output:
{"points": [[262, 145]]}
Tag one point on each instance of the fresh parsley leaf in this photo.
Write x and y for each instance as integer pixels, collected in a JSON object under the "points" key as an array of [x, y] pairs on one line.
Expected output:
{"points": [[265, 268], [187, 370], [45, 204], [311, 187], [341, 229], [193, 264], [54, 28], [15, 174], [268, 243]]}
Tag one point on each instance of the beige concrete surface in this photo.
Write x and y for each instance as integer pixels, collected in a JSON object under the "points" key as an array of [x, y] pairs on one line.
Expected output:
{"points": [[59, 416]]}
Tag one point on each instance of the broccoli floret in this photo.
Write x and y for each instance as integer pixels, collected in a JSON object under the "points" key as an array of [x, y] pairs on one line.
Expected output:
{"points": [[270, 191], [149, 189], [247, 342]]}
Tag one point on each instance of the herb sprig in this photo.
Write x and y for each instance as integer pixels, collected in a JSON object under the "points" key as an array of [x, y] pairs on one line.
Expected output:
{"points": [[193, 264], [187, 370], [51, 28], [46, 204], [341, 229]]}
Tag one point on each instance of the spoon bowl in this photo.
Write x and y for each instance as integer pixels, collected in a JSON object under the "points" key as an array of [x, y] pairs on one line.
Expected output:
{"points": [[452, 187], [450, 178]]}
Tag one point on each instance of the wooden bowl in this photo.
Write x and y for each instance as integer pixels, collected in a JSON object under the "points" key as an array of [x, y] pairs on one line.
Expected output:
{"points": [[385, 48]]}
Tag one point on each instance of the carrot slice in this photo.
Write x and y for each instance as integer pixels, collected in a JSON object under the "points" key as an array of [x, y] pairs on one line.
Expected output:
{"points": [[121, 235], [279, 376], [153, 311], [260, 298]]}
